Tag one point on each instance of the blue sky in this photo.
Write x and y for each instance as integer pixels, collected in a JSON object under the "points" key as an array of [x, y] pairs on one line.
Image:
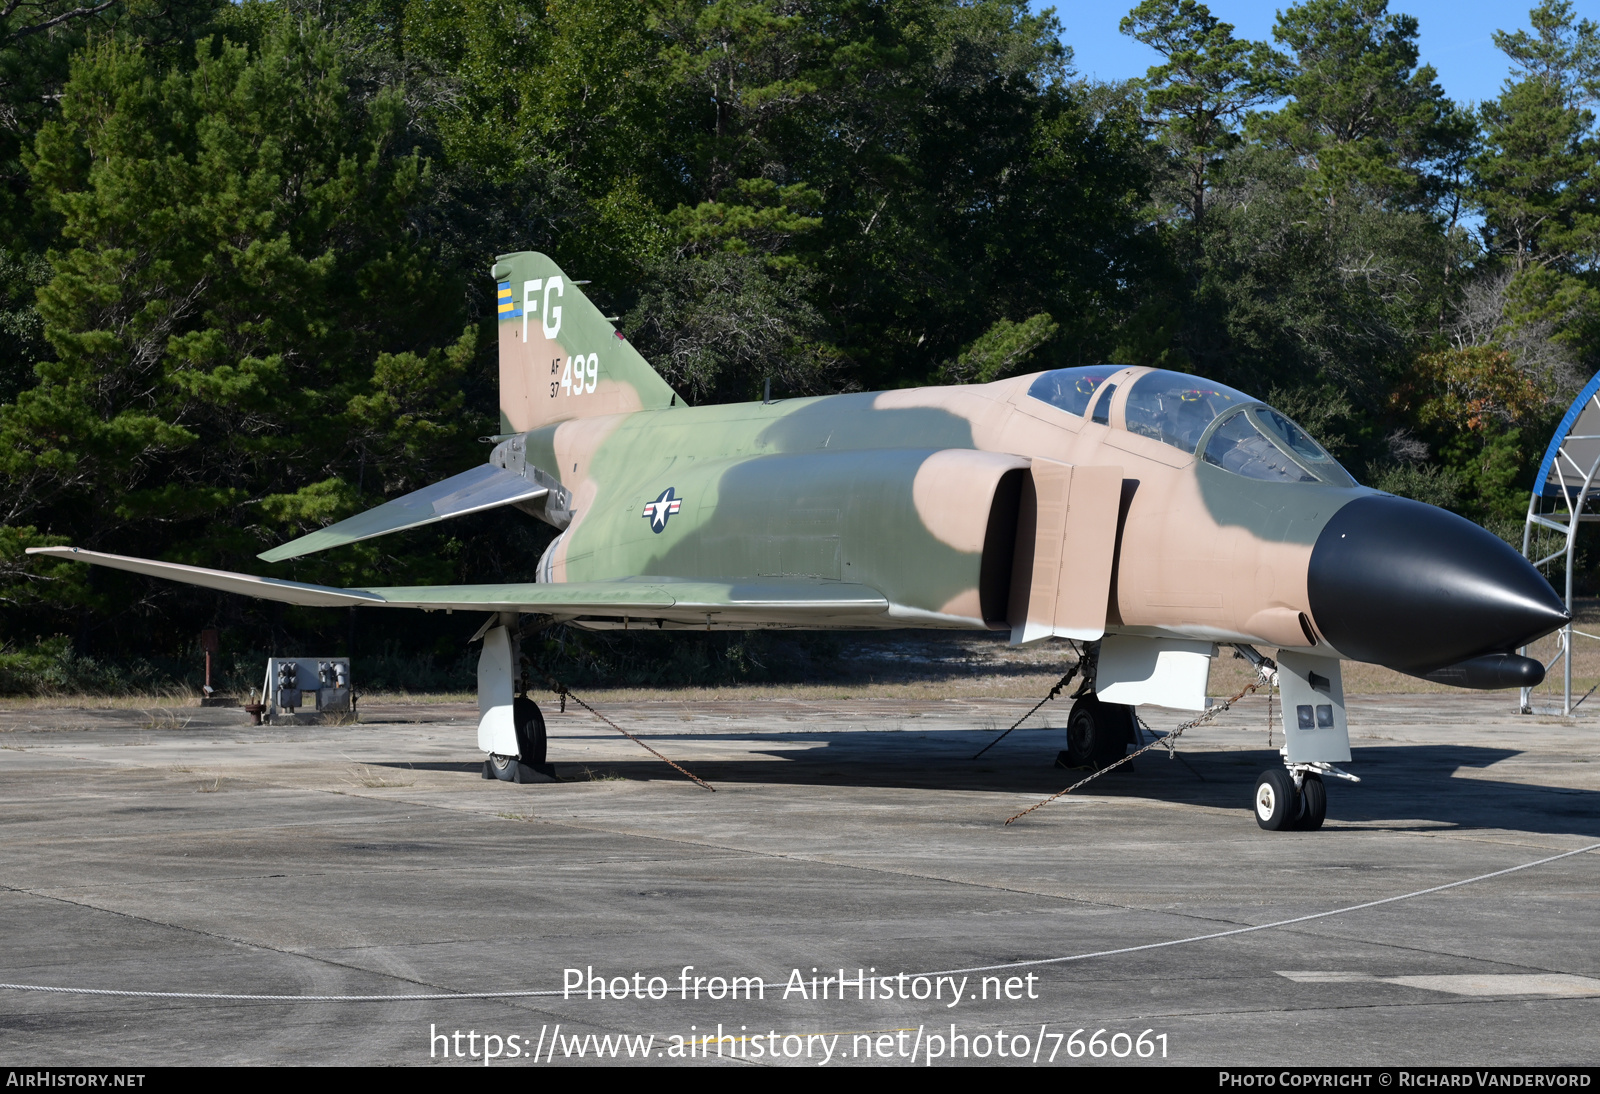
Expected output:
{"points": [[1455, 36]]}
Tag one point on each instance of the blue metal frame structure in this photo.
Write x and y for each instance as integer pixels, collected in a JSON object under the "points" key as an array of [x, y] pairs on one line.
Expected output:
{"points": [[1567, 486]]}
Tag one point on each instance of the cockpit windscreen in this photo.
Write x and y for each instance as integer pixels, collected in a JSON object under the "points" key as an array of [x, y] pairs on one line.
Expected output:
{"points": [[1176, 408], [1070, 389], [1238, 446], [1259, 443]]}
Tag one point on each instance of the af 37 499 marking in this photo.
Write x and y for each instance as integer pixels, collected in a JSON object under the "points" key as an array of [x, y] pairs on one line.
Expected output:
{"points": [[581, 377]]}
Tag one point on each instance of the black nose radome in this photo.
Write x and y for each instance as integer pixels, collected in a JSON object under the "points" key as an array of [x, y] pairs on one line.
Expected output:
{"points": [[1416, 588]]}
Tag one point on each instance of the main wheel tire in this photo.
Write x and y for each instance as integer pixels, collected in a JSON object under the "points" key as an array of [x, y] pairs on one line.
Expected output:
{"points": [[1313, 803], [503, 768], [531, 741], [1277, 802], [1098, 733]]}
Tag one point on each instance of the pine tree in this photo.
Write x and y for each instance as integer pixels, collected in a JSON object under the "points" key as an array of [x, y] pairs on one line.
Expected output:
{"points": [[1209, 82], [246, 337], [1362, 114], [1537, 177]]}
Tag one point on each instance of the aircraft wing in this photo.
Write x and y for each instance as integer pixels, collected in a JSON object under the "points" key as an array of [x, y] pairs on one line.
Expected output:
{"points": [[770, 601], [265, 588]]}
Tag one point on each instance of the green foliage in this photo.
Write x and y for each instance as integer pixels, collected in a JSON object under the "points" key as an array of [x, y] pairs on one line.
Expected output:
{"points": [[1362, 114], [1203, 91], [21, 330], [717, 327], [235, 291], [765, 218], [1005, 349], [1474, 404], [1493, 470], [50, 666], [1293, 291], [1429, 483], [37, 42], [1308, 254], [1536, 175], [237, 314]]}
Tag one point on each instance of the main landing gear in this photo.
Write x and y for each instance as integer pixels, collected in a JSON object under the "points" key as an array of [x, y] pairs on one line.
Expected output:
{"points": [[1098, 733], [528, 765], [510, 727]]}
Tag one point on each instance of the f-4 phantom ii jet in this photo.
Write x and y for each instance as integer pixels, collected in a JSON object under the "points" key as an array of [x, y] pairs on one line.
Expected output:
{"points": [[1151, 515]]}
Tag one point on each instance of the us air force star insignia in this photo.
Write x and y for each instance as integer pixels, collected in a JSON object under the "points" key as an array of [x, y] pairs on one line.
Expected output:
{"points": [[657, 512]]}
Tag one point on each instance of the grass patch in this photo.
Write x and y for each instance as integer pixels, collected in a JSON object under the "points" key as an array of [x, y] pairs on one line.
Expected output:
{"points": [[164, 719]]}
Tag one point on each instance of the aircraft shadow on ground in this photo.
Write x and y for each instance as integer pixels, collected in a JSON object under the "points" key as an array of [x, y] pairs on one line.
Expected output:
{"points": [[1408, 786]]}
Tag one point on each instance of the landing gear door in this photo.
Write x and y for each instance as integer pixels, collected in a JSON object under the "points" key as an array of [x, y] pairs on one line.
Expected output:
{"points": [[1314, 721], [496, 692]]}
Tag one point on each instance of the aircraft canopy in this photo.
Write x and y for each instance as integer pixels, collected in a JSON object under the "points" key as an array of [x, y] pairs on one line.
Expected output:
{"points": [[1259, 443], [1070, 389], [1175, 408], [1170, 406]]}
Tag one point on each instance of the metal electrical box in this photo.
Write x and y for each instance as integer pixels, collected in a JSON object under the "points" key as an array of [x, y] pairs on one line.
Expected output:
{"points": [[303, 689]]}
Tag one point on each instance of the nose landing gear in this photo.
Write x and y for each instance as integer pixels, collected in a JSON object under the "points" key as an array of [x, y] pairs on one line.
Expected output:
{"points": [[1294, 798], [1317, 736]]}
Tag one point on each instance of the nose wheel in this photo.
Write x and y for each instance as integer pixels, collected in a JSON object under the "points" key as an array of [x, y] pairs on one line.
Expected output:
{"points": [[1277, 800], [1281, 806], [1313, 803]]}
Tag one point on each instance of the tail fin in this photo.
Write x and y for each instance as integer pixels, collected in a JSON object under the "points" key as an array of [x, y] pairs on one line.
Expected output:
{"points": [[559, 357]]}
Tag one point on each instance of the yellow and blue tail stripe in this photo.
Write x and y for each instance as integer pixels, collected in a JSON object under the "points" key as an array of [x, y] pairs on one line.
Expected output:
{"points": [[510, 308]]}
